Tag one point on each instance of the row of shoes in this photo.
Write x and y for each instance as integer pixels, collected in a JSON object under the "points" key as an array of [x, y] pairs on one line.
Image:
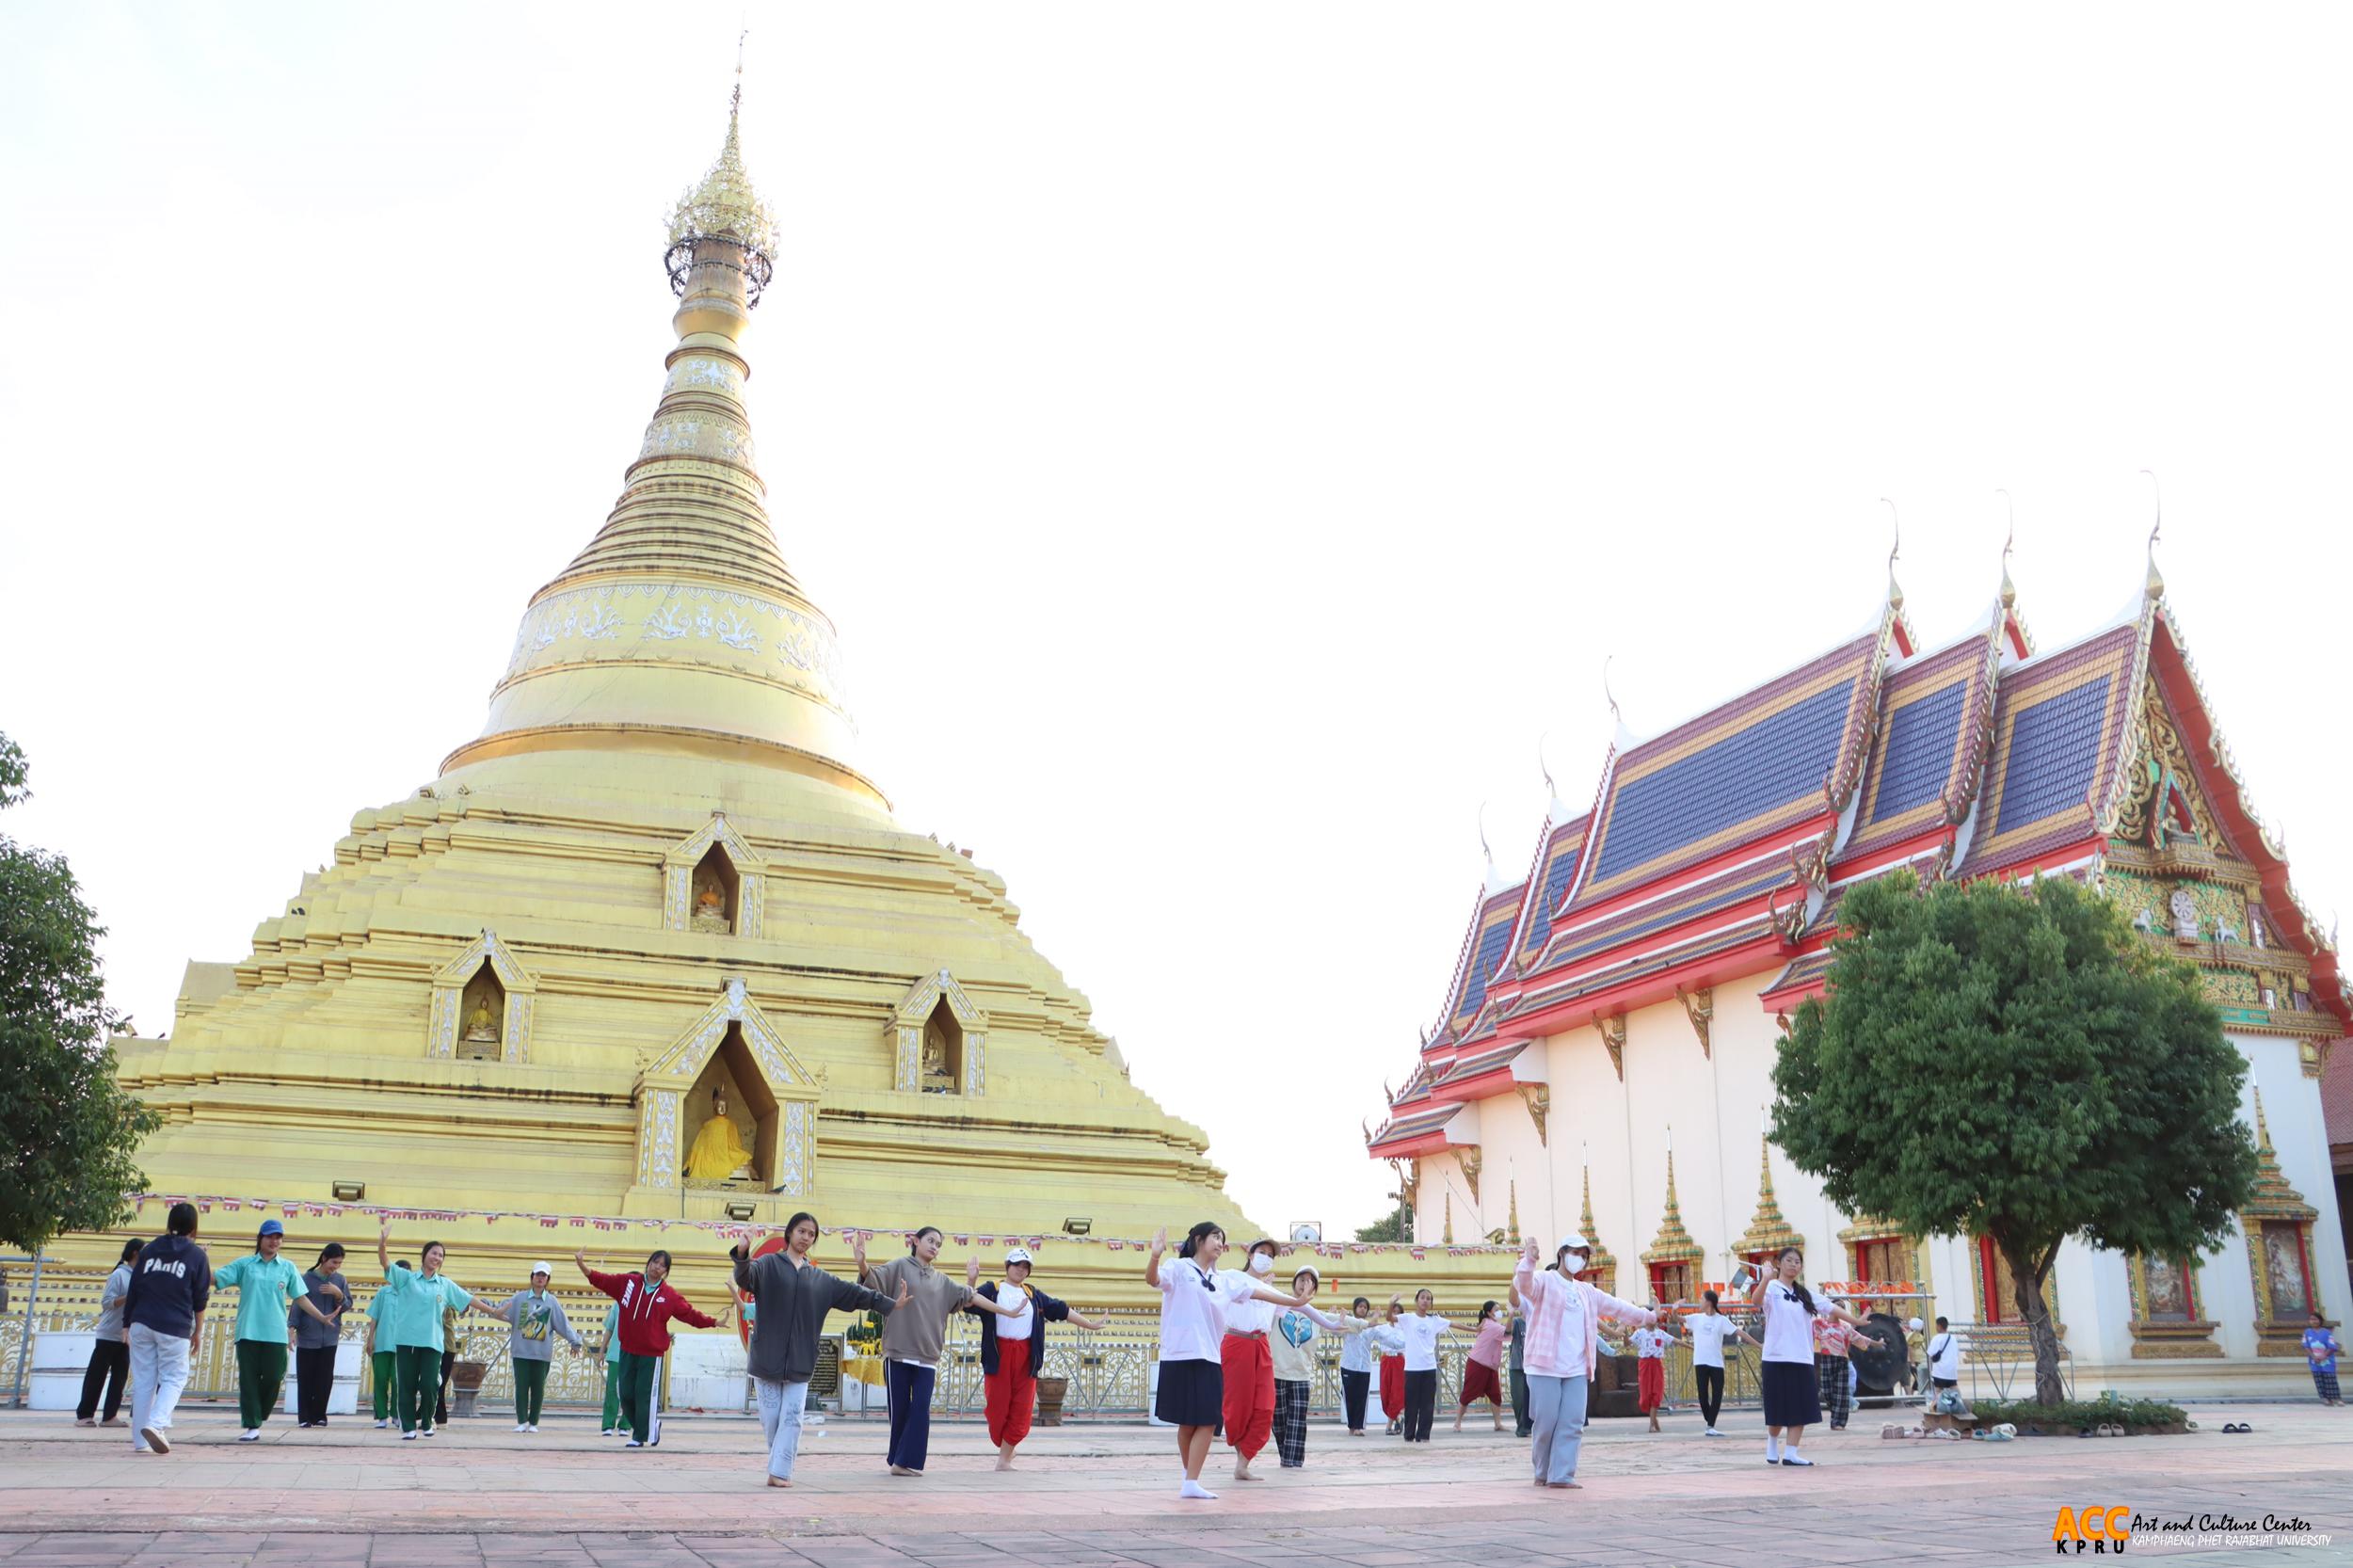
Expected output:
{"points": [[2236, 1426], [2106, 1429]]}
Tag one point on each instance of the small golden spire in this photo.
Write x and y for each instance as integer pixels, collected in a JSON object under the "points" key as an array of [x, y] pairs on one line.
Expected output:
{"points": [[1512, 1219], [1447, 1236]]}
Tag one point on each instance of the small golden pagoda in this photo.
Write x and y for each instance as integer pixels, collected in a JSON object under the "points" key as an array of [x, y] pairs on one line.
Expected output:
{"points": [[651, 945]]}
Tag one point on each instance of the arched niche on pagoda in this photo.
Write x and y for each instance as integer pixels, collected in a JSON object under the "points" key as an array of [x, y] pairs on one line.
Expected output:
{"points": [[775, 1089], [939, 1039], [483, 1002], [713, 882]]}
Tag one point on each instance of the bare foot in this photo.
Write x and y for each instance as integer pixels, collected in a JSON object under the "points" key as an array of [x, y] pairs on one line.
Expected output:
{"points": [[1005, 1464], [779, 1480]]}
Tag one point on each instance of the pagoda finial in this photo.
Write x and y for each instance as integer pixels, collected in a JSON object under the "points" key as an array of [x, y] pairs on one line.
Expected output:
{"points": [[1447, 1235], [725, 210], [1895, 593], [2156, 586], [1512, 1217], [2262, 1129]]}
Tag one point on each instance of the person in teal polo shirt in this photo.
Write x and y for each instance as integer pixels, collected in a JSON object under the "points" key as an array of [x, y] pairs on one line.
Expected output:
{"points": [[267, 1286], [414, 1299]]}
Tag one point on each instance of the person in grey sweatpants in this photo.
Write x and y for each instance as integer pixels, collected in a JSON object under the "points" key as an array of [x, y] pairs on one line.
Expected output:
{"points": [[791, 1297]]}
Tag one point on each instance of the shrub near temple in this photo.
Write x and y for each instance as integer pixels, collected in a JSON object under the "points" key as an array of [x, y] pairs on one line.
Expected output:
{"points": [[2015, 1062]]}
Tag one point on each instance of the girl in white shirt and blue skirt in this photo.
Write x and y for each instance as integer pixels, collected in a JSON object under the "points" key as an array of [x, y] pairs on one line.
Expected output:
{"points": [[1792, 1399]]}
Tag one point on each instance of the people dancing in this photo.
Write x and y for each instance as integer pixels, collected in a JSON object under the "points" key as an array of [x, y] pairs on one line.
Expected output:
{"points": [[1246, 1359], [267, 1288], [1356, 1352], [1013, 1349], [1791, 1387], [915, 1336], [1708, 1329], [1194, 1299], [418, 1303], [317, 1321], [110, 1347], [163, 1312], [790, 1298], [1388, 1340], [534, 1319], [1293, 1344], [1564, 1316], [1422, 1329], [1483, 1367], [649, 1304]]}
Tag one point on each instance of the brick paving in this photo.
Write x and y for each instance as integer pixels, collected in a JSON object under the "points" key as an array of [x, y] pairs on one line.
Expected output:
{"points": [[481, 1497]]}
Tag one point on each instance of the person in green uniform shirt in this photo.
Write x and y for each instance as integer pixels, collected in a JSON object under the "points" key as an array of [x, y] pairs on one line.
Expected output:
{"points": [[267, 1286], [381, 1362], [612, 1371], [419, 1297], [534, 1319]]}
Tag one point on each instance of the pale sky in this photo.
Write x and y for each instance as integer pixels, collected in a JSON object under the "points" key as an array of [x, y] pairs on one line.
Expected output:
{"points": [[1227, 437]]}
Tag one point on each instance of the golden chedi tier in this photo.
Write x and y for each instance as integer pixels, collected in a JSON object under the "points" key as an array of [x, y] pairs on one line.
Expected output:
{"points": [[652, 945]]}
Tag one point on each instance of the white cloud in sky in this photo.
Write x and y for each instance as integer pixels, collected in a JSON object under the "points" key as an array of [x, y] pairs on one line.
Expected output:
{"points": [[1226, 437]]}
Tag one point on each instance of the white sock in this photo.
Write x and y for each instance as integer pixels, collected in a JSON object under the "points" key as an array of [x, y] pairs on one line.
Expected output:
{"points": [[1194, 1488], [1773, 1447]]}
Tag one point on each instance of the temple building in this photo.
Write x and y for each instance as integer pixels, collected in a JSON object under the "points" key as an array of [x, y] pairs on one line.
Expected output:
{"points": [[650, 948], [1604, 1056]]}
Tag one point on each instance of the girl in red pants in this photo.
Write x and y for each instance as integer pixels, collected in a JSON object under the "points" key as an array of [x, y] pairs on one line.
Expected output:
{"points": [[1388, 1339], [1012, 1351]]}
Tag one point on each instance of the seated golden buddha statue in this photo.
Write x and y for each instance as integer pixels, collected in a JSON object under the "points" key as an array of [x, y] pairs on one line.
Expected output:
{"points": [[718, 1153], [482, 1024], [711, 910]]}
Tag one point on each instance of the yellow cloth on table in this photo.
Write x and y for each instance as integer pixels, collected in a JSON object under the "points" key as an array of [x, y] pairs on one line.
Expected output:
{"points": [[865, 1369]]}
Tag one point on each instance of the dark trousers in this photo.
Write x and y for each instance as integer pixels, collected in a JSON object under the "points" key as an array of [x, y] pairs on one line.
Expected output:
{"points": [[1355, 1387], [910, 1390], [1711, 1385], [1521, 1423], [641, 1375], [413, 1368], [109, 1364], [260, 1378], [440, 1394], [314, 1379], [530, 1389], [1421, 1405]]}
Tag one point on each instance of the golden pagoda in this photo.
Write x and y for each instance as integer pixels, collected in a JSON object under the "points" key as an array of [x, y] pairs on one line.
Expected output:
{"points": [[650, 948]]}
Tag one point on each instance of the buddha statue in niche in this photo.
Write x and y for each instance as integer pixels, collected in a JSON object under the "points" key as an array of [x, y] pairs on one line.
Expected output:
{"points": [[718, 1153], [482, 1024], [937, 1077], [711, 907]]}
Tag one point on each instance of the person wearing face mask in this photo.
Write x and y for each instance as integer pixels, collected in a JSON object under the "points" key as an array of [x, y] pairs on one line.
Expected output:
{"points": [[1247, 1356], [1564, 1316], [649, 1304], [915, 1336], [1195, 1299]]}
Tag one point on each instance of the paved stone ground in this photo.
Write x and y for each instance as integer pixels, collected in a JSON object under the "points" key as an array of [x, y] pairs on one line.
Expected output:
{"points": [[481, 1497]]}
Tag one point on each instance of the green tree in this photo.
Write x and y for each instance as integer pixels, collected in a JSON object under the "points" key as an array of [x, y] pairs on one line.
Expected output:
{"points": [[71, 1128], [1396, 1226], [2015, 1062]]}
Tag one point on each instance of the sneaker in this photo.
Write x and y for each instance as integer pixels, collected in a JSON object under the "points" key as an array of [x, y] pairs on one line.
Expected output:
{"points": [[633, 1443], [425, 1432], [408, 1437], [1797, 1460], [1711, 1432], [85, 1421], [381, 1425], [250, 1434], [154, 1440], [521, 1426], [609, 1431], [533, 1429]]}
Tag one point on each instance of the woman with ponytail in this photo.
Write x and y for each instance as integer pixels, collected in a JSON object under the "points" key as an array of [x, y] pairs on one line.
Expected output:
{"points": [[1792, 1399]]}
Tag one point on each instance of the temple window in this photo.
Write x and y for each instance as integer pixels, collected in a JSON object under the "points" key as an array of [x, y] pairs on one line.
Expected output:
{"points": [[2287, 1271], [1671, 1282], [717, 892], [482, 1016], [1997, 1287], [2171, 1290], [943, 1052]]}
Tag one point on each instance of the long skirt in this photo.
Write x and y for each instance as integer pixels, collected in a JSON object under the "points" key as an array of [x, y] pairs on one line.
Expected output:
{"points": [[1790, 1395]]}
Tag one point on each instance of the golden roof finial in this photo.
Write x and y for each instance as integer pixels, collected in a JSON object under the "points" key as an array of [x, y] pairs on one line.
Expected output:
{"points": [[2155, 587], [726, 206], [2010, 589], [1895, 593]]}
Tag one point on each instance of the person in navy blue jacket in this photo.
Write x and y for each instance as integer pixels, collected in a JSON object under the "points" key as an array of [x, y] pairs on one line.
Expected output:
{"points": [[1012, 1351]]}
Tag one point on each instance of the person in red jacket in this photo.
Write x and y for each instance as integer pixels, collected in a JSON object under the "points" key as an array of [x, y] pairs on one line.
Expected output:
{"points": [[649, 1304]]}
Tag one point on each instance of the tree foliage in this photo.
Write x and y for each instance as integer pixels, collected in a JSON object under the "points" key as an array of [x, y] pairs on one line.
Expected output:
{"points": [[1396, 1226], [71, 1130], [2015, 1063]]}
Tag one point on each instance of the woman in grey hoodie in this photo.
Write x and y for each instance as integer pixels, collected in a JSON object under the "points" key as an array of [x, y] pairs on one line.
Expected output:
{"points": [[791, 1297]]}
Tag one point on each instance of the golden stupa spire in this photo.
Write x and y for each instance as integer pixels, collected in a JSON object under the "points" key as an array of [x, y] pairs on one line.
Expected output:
{"points": [[1447, 1235], [679, 631], [1769, 1231], [2275, 1197], [1511, 1219], [1601, 1262], [1674, 1242]]}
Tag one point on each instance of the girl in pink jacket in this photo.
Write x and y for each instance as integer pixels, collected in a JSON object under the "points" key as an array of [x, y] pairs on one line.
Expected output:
{"points": [[1563, 1322]]}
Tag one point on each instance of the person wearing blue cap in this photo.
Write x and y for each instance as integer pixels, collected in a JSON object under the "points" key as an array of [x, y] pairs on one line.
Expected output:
{"points": [[267, 1286]]}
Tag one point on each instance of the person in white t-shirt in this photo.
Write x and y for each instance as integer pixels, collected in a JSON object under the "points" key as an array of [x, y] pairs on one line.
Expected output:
{"points": [[1194, 1299], [1792, 1393], [1709, 1331], [1422, 1330], [1943, 1356]]}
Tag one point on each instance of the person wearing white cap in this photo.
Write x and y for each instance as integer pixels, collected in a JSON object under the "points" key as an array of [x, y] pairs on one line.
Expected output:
{"points": [[1563, 1320], [534, 1318], [1013, 1350]]}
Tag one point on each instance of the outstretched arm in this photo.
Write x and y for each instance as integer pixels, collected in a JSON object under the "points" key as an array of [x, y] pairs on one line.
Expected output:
{"points": [[1152, 1264], [384, 1244]]}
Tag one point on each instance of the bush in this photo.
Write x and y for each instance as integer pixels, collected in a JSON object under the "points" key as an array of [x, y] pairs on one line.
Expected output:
{"points": [[2069, 1416]]}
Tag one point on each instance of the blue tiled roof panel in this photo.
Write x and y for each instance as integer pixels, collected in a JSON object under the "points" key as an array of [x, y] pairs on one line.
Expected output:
{"points": [[1611, 932], [1773, 761], [1556, 877], [2053, 747], [1485, 963], [1919, 754]]}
